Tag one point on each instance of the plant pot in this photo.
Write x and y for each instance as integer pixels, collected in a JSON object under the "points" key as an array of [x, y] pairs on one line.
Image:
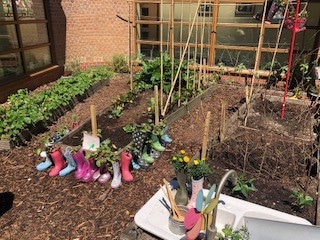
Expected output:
{"points": [[181, 197], [196, 186], [175, 226]]}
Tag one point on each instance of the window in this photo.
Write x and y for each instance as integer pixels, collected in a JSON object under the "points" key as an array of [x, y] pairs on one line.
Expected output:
{"points": [[145, 11], [24, 39], [205, 10], [244, 9]]}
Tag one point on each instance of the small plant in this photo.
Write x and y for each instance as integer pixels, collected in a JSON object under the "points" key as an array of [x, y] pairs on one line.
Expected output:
{"points": [[120, 64], [180, 161], [244, 186], [72, 67], [301, 199], [199, 168], [229, 234]]}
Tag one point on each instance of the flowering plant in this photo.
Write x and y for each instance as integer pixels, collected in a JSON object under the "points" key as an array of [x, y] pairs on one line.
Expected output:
{"points": [[180, 161], [198, 169]]}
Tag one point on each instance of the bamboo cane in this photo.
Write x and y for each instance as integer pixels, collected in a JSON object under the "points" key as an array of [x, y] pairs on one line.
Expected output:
{"points": [[181, 61], [257, 62], [93, 120], [161, 56], [223, 121], [130, 42], [156, 105], [205, 136]]}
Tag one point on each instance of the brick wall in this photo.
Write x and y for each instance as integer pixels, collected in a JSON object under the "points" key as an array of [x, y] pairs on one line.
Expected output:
{"points": [[93, 33]]}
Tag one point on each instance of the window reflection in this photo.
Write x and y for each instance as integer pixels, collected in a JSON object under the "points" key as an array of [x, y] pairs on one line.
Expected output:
{"points": [[37, 58], [34, 34], [8, 37], [10, 65]]}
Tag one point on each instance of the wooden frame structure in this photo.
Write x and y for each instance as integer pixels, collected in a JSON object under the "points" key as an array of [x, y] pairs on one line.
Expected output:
{"points": [[211, 46]]}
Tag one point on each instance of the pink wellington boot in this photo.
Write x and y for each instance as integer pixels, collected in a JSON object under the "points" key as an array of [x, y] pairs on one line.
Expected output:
{"points": [[58, 160], [82, 164], [196, 186], [90, 172], [125, 166]]}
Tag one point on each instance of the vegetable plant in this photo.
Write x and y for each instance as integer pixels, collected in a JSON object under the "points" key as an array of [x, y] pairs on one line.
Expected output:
{"points": [[229, 234], [244, 186], [300, 199]]}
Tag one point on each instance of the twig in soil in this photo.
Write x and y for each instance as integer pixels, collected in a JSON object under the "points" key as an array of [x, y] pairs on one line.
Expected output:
{"points": [[104, 195]]}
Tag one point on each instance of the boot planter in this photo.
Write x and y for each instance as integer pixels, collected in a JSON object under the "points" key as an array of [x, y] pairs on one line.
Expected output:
{"points": [[146, 157], [155, 144], [181, 197], [165, 135], [126, 158], [90, 171], [139, 140], [196, 186], [58, 160], [105, 175], [82, 164], [46, 163], [116, 180], [71, 163]]}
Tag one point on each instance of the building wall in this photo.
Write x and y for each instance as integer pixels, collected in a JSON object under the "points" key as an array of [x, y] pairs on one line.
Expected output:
{"points": [[93, 33]]}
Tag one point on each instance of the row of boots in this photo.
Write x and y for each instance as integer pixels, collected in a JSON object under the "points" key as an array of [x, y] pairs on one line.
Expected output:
{"points": [[64, 162]]}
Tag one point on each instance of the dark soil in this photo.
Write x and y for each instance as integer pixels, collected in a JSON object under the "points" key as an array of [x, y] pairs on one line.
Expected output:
{"points": [[276, 154]]}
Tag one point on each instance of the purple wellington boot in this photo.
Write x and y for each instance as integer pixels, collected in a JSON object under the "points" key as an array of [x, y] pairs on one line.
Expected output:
{"points": [[82, 164]]}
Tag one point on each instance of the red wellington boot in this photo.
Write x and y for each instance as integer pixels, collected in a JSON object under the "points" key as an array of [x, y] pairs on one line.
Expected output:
{"points": [[125, 166], [58, 160]]}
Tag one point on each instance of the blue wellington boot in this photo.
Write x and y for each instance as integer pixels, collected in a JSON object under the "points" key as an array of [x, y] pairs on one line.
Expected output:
{"points": [[71, 163], [165, 136], [135, 165], [46, 163]]}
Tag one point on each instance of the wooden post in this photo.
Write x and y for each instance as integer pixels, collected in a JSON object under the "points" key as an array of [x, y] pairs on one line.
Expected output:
{"points": [[213, 32], [156, 105], [93, 120], [205, 136], [223, 121]]}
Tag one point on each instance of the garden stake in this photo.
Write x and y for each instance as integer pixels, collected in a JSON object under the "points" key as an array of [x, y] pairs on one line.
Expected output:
{"points": [[156, 105], [223, 121], [93, 120], [205, 136], [181, 61]]}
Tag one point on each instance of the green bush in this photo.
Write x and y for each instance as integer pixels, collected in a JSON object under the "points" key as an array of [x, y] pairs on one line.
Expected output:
{"points": [[120, 64]]}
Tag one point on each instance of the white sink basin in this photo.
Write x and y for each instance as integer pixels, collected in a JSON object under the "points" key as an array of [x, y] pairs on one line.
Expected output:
{"points": [[153, 217]]}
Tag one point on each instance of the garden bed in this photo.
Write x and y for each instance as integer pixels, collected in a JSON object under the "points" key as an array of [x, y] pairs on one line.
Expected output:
{"points": [[64, 208]]}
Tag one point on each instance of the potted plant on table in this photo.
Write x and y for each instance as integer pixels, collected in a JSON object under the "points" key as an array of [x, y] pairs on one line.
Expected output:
{"points": [[198, 169], [180, 162]]}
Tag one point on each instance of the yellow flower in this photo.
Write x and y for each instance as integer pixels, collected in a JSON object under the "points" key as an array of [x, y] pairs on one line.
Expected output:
{"points": [[174, 158], [182, 151], [186, 159], [196, 162], [180, 160]]}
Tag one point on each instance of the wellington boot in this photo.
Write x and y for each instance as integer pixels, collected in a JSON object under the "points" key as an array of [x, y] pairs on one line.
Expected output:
{"points": [[71, 163], [135, 165], [44, 165], [156, 145], [125, 166], [58, 160], [82, 164], [90, 171], [116, 180], [146, 157]]}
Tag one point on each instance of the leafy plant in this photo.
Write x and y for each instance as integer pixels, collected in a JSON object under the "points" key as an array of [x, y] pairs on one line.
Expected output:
{"points": [[180, 161], [199, 168], [244, 186], [229, 234], [120, 64], [301, 199]]}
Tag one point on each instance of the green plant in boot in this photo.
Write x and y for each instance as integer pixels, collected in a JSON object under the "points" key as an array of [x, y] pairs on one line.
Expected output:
{"points": [[146, 157], [155, 144]]}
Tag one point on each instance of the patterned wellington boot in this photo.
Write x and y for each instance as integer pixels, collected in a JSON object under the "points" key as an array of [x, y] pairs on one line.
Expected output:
{"points": [[196, 186]]}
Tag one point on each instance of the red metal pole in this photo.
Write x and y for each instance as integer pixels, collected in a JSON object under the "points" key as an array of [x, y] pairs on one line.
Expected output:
{"points": [[293, 39]]}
